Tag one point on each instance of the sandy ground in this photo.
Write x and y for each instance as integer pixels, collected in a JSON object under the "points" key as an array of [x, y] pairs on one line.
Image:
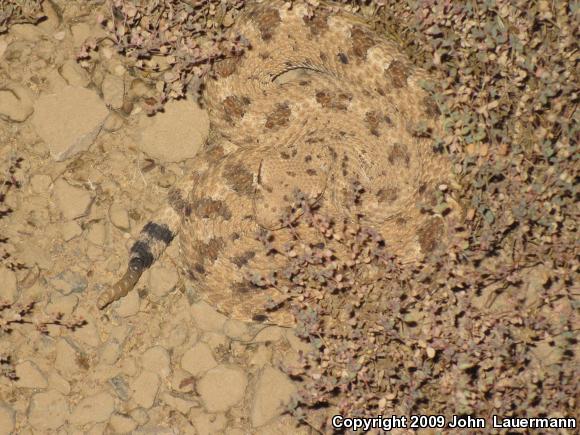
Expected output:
{"points": [[95, 167]]}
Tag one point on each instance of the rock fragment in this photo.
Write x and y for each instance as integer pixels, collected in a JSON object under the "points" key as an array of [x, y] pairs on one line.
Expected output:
{"points": [[9, 287], [74, 74], [206, 317], [198, 359], [93, 409], [208, 424], [222, 387], [119, 216], [7, 420], [128, 305], [30, 376], [69, 230], [113, 122], [156, 359], [122, 424], [73, 202], [176, 134], [145, 389], [48, 410], [273, 392], [181, 405], [40, 183], [113, 89], [69, 120], [162, 280], [16, 103]]}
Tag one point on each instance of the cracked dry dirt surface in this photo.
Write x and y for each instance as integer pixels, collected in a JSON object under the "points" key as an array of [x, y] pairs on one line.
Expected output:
{"points": [[158, 361]]}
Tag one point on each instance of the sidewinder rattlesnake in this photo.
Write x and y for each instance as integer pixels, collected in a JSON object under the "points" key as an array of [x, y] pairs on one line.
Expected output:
{"points": [[317, 102]]}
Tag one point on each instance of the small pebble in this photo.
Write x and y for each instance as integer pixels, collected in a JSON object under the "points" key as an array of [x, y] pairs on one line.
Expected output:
{"points": [[129, 305], [48, 410], [120, 387], [216, 341], [110, 352], [176, 134], [93, 409], [7, 419], [178, 403], [69, 120], [40, 183], [15, 102], [97, 233], [73, 202], [261, 356], [273, 392], [122, 424], [145, 389], [162, 280], [62, 304], [88, 334], [67, 359], [113, 89], [237, 330], [74, 74], [208, 424], [140, 416], [206, 317], [9, 287], [182, 381], [27, 32], [30, 376], [69, 230], [68, 282], [113, 122], [222, 387], [80, 32], [198, 359], [58, 383], [156, 359]]}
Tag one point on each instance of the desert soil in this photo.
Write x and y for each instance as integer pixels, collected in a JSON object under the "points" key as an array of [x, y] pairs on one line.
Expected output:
{"points": [[95, 168]]}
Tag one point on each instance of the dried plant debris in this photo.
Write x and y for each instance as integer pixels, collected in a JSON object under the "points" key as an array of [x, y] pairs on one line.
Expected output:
{"points": [[170, 44], [9, 182], [395, 340], [19, 12], [491, 325], [14, 315]]}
